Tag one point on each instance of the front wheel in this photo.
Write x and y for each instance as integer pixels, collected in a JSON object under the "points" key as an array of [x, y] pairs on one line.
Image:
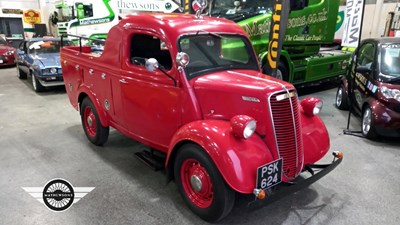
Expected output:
{"points": [[368, 124], [342, 101], [95, 132], [20, 74], [201, 185], [36, 84]]}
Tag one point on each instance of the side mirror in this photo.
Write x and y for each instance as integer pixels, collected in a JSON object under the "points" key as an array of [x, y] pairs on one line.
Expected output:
{"points": [[363, 69], [182, 59], [151, 64], [199, 6]]}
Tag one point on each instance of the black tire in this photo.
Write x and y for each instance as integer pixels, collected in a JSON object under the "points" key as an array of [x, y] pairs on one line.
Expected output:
{"points": [[368, 124], [36, 84], [219, 199], [281, 74], [20, 74], [95, 132], [342, 100]]}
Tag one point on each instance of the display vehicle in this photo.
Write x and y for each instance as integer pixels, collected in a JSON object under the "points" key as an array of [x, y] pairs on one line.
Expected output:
{"points": [[90, 18], [39, 58], [191, 88], [310, 25], [7, 53], [372, 87]]}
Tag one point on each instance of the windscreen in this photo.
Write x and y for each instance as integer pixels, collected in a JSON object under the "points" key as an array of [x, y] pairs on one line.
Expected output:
{"points": [[390, 61], [47, 46], [214, 52], [241, 9]]}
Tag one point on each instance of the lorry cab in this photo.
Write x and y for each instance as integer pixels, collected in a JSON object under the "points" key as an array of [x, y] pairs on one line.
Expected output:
{"points": [[373, 89]]}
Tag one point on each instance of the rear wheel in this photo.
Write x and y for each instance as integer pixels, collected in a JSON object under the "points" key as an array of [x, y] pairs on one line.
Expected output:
{"points": [[201, 185], [368, 124], [95, 132], [342, 101], [20, 74], [36, 84]]}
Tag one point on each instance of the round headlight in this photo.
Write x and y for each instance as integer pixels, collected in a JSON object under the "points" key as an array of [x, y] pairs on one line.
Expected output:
{"points": [[311, 106], [243, 126], [53, 70]]}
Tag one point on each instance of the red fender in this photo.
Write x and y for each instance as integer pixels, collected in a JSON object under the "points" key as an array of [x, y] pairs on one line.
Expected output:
{"points": [[96, 103], [315, 138], [236, 159]]}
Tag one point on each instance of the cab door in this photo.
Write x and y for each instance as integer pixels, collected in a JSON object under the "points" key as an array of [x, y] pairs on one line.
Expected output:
{"points": [[363, 76], [151, 100]]}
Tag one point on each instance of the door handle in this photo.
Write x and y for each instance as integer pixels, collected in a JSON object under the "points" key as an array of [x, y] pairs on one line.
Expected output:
{"points": [[123, 81]]}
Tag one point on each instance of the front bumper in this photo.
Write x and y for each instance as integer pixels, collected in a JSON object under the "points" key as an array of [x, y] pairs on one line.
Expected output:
{"points": [[387, 121], [7, 60], [284, 189], [51, 81]]}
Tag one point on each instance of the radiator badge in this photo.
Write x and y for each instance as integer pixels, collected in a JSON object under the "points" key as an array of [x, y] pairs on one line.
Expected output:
{"points": [[285, 96], [250, 99]]}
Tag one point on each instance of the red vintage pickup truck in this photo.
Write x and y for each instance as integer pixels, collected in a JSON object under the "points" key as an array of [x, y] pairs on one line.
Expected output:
{"points": [[191, 88]]}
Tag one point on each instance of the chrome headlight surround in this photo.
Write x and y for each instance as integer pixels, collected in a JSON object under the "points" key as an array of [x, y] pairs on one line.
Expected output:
{"points": [[243, 126], [390, 93], [311, 106]]}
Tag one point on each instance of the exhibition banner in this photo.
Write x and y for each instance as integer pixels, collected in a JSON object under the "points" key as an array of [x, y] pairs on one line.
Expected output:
{"points": [[353, 23], [279, 22]]}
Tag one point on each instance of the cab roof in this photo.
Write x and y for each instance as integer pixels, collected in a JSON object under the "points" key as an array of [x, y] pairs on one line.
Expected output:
{"points": [[177, 24]]}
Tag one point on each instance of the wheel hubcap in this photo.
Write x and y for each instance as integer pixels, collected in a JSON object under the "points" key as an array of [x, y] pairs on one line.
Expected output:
{"points": [[33, 82], [339, 97], [279, 74], [367, 118], [196, 183], [89, 121]]}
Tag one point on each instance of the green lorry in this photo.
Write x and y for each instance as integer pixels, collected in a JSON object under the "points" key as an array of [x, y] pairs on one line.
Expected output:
{"points": [[311, 24]]}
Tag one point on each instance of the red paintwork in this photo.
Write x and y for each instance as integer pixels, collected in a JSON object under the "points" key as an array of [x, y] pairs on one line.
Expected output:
{"points": [[204, 197], [150, 109]]}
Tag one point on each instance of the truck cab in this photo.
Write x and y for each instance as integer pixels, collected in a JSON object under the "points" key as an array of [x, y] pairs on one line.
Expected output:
{"points": [[191, 88]]}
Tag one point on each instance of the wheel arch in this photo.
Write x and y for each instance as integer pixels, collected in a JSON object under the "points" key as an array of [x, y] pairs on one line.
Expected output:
{"points": [[236, 160], [103, 119]]}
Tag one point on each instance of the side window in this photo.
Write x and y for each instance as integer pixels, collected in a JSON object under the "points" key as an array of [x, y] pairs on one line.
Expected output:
{"points": [[147, 46], [366, 55]]}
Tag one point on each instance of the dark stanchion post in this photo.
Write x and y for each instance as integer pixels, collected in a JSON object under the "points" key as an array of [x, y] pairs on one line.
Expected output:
{"points": [[350, 84]]}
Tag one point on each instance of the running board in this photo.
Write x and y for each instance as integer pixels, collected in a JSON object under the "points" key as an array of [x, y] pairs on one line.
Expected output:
{"points": [[150, 159]]}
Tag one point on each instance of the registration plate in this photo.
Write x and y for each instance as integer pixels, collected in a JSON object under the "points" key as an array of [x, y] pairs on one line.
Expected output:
{"points": [[269, 175], [1, 61]]}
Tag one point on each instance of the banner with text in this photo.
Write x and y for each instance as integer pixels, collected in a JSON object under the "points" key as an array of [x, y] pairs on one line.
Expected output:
{"points": [[166, 6], [279, 23], [353, 23]]}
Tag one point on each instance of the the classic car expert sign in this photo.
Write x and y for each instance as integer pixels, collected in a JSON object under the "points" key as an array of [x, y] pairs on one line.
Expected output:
{"points": [[31, 16]]}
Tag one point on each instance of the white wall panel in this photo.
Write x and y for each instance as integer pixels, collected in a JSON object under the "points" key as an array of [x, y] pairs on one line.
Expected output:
{"points": [[20, 4]]}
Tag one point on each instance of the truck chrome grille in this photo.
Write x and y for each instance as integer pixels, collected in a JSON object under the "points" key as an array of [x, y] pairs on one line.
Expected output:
{"points": [[286, 124]]}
